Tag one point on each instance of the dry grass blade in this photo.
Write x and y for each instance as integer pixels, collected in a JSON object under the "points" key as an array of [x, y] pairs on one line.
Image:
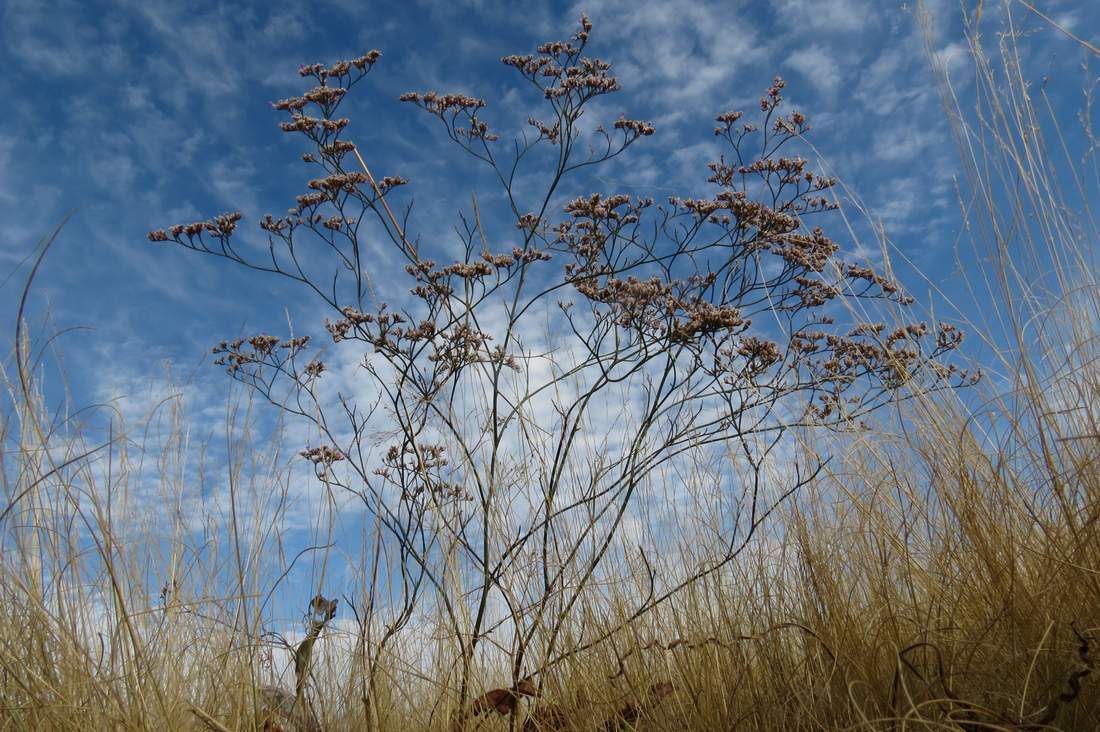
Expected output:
{"points": [[621, 512]]}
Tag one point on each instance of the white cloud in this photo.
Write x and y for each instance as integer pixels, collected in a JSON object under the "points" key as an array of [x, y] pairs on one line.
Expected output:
{"points": [[7, 144], [890, 82], [689, 51], [819, 66], [907, 202], [828, 15], [953, 58], [114, 169], [903, 143], [57, 38], [233, 179], [286, 24]]}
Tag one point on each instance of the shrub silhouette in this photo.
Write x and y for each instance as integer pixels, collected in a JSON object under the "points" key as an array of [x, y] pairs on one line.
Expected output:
{"points": [[717, 325]]}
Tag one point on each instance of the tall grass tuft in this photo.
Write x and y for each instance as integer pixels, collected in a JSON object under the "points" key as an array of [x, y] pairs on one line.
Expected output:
{"points": [[943, 572]]}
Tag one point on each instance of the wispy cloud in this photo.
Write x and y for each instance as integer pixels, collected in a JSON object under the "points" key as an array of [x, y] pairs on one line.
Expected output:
{"points": [[37, 36], [819, 67], [893, 145], [679, 52], [836, 16]]}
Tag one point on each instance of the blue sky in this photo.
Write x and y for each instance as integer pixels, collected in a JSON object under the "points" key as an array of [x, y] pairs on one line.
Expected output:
{"points": [[140, 114]]}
